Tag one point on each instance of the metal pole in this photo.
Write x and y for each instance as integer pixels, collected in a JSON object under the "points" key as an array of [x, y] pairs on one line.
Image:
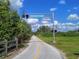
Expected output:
{"points": [[53, 15]]}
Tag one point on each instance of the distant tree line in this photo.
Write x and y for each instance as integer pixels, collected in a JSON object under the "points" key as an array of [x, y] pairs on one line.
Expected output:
{"points": [[44, 30], [47, 31]]}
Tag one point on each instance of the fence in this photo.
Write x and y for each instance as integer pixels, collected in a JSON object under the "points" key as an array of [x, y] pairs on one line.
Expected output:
{"points": [[6, 46]]}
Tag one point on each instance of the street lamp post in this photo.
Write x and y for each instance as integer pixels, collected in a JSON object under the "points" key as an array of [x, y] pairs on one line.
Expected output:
{"points": [[53, 18]]}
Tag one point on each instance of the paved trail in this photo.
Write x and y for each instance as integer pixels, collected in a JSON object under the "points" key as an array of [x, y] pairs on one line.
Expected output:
{"points": [[38, 49]]}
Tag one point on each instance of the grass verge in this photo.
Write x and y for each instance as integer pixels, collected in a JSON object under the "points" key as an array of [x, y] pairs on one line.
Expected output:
{"points": [[68, 45]]}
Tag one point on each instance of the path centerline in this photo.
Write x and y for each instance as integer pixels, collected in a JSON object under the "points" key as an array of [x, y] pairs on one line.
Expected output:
{"points": [[36, 56]]}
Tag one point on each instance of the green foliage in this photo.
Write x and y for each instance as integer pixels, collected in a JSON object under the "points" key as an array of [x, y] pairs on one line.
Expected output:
{"points": [[68, 34], [68, 42], [44, 30], [11, 25], [24, 30], [69, 45]]}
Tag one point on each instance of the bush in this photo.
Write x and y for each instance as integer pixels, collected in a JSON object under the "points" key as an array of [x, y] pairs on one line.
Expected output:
{"points": [[11, 25]]}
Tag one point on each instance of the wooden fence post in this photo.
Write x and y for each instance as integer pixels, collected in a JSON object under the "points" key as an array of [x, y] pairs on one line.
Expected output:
{"points": [[6, 47], [16, 39]]}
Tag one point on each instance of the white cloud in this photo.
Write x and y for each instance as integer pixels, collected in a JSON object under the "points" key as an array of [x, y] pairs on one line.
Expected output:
{"points": [[78, 23], [46, 19], [75, 8], [53, 9], [66, 23], [36, 15], [55, 22], [19, 3], [73, 17], [45, 22], [67, 26], [32, 20], [62, 2], [16, 4]]}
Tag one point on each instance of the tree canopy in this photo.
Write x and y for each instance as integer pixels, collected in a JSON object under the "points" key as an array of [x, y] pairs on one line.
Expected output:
{"points": [[11, 25]]}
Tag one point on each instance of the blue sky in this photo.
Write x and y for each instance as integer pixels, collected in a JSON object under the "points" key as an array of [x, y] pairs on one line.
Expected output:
{"points": [[64, 8], [67, 11]]}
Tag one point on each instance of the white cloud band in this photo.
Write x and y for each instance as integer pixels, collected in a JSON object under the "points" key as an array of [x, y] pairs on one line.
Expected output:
{"points": [[16, 4], [73, 17]]}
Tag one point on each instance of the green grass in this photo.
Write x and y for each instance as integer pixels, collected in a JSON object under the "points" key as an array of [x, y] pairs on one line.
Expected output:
{"points": [[69, 45]]}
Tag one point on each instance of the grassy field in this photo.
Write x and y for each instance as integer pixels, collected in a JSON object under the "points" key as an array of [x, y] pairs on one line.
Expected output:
{"points": [[69, 45]]}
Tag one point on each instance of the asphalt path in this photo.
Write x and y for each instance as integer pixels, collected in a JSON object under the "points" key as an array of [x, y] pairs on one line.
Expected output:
{"points": [[38, 49]]}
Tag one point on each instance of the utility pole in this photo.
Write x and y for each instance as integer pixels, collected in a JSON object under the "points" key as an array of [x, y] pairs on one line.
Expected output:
{"points": [[53, 18]]}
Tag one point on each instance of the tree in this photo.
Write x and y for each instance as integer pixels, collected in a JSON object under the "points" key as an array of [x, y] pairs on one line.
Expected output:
{"points": [[45, 31], [11, 25]]}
